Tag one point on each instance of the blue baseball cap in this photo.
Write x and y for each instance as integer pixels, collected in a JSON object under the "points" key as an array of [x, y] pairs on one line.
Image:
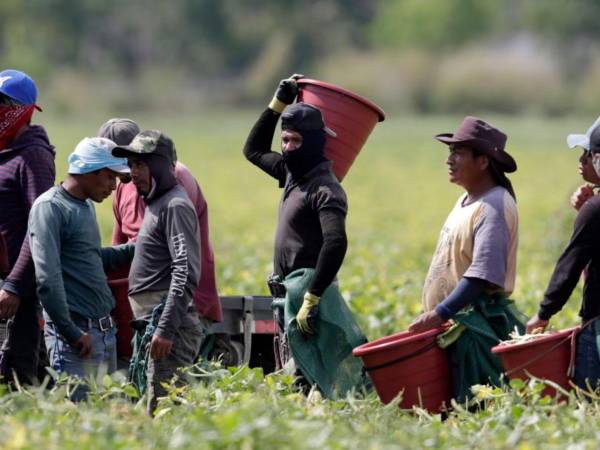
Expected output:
{"points": [[94, 154], [19, 86]]}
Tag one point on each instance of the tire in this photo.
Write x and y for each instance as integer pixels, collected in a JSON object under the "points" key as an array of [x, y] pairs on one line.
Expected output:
{"points": [[229, 352]]}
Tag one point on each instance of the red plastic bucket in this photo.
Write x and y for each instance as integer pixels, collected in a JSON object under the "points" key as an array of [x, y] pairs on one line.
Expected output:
{"points": [[123, 315], [351, 116], [412, 363], [547, 357]]}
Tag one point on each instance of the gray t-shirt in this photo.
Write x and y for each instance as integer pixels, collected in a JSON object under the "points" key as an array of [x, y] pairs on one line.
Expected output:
{"points": [[478, 240], [167, 258]]}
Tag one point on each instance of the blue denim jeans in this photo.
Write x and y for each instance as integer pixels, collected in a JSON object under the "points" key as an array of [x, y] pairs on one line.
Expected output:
{"points": [[587, 362], [64, 358]]}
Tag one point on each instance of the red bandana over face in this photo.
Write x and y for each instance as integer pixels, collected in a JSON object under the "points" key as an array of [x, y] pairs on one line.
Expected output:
{"points": [[12, 118]]}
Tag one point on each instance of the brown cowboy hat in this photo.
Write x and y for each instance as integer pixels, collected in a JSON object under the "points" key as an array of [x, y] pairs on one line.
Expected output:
{"points": [[479, 135]]}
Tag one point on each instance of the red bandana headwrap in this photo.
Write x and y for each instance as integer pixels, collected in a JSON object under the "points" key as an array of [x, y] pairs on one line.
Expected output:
{"points": [[12, 118]]}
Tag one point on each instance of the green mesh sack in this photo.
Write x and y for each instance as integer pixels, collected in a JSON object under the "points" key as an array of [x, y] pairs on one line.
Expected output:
{"points": [[325, 358], [490, 320]]}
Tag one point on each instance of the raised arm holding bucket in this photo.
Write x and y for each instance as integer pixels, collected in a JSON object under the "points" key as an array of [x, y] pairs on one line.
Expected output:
{"points": [[311, 230], [352, 116]]}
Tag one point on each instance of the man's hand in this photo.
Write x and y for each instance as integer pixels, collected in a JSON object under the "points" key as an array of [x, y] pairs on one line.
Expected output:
{"points": [[308, 313], [581, 195], [9, 303], [84, 343], [285, 94], [536, 325], [426, 321], [160, 347]]}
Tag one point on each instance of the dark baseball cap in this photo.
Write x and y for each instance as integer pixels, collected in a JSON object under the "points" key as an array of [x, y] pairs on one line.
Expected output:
{"points": [[304, 117], [595, 141], [120, 131], [148, 142], [582, 140]]}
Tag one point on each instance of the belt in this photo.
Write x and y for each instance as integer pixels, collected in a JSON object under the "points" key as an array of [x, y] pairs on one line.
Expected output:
{"points": [[103, 323]]}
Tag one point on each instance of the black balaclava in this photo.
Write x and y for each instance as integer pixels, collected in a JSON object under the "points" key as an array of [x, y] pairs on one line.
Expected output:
{"points": [[308, 122], [162, 174]]}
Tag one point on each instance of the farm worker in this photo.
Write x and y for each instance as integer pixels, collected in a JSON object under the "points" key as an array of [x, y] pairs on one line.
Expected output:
{"points": [[475, 258], [26, 171], [311, 229], [586, 168], [310, 240], [129, 206], [70, 264], [166, 267], [582, 251]]}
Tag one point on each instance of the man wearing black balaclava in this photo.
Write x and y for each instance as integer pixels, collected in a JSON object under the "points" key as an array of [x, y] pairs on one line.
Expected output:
{"points": [[311, 231], [166, 266]]}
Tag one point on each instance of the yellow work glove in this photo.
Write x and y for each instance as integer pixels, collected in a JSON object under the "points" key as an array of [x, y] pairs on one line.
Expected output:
{"points": [[285, 94], [307, 316]]}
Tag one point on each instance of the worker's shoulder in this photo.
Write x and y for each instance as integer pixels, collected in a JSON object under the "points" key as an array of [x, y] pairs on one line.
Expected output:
{"points": [[177, 198], [499, 199], [50, 196], [331, 187], [323, 176], [590, 209], [594, 202], [328, 192], [52, 204]]}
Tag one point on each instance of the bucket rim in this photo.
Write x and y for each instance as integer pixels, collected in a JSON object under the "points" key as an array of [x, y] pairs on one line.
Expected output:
{"points": [[403, 337], [380, 112], [560, 334]]}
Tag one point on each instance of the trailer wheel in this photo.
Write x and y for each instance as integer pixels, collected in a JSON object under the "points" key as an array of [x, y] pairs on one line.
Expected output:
{"points": [[229, 352]]}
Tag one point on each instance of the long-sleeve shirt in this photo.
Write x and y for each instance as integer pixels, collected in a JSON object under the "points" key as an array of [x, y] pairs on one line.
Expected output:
{"points": [[583, 250], [311, 230], [128, 209], [26, 171], [167, 259], [69, 262]]}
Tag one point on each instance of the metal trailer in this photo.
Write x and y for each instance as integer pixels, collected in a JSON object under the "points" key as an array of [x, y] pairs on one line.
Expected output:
{"points": [[246, 334]]}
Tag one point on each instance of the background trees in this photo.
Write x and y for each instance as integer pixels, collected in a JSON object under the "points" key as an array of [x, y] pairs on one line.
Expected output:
{"points": [[143, 53]]}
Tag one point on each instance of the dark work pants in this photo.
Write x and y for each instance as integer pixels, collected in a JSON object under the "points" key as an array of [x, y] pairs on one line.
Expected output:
{"points": [[187, 341], [19, 354], [587, 362]]}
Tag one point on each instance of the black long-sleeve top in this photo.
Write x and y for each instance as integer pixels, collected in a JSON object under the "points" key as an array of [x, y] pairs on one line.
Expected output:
{"points": [[583, 250], [311, 230]]}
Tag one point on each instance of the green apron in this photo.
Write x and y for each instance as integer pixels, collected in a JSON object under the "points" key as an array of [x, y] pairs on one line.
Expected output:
{"points": [[140, 342], [478, 328], [325, 358]]}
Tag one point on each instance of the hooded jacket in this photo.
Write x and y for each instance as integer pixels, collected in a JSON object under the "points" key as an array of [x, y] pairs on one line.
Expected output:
{"points": [[26, 171], [311, 224], [128, 209], [167, 256]]}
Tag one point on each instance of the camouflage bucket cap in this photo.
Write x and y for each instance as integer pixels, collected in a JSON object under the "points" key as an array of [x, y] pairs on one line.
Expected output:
{"points": [[148, 142]]}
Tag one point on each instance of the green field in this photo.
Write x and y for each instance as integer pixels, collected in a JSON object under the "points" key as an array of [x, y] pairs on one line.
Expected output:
{"points": [[399, 197]]}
